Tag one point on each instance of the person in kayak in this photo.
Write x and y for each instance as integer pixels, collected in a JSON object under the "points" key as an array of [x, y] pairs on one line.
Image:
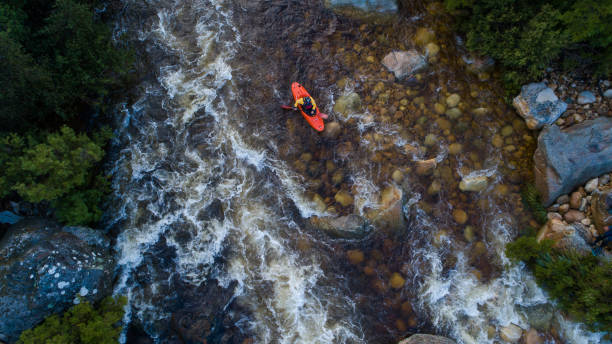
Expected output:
{"points": [[308, 105]]}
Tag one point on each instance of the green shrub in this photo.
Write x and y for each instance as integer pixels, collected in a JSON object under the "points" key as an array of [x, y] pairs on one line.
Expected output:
{"points": [[58, 62], [525, 36], [59, 170], [81, 324], [532, 201], [581, 284]]}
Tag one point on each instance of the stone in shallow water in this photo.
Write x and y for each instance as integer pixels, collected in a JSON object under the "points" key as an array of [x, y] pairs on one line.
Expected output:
{"points": [[425, 167], [344, 198], [474, 184], [348, 104], [332, 130], [511, 333], [460, 216], [426, 339], [608, 93], [366, 5], [538, 105], [404, 63], [355, 256], [432, 49], [423, 36], [586, 97], [453, 100], [396, 281], [453, 113]]}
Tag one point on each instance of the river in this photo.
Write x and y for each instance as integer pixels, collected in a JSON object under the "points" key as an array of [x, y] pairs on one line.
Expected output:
{"points": [[215, 186]]}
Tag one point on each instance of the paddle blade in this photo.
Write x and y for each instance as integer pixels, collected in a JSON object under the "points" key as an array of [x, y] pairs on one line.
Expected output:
{"points": [[323, 115], [287, 107]]}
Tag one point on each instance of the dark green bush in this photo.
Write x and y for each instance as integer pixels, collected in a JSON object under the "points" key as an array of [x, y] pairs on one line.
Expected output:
{"points": [[58, 62], [581, 284], [532, 201], [59, 170], [81, 324], [525, 36]]}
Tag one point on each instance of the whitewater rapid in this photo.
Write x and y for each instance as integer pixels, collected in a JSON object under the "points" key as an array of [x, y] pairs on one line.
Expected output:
{"points": [[181, 151]]}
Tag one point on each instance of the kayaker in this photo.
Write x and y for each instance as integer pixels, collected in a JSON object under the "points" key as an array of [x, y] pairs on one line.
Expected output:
{"points": [[308, 105]]}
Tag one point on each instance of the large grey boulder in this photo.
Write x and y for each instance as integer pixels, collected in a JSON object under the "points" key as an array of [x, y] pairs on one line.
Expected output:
{"points": [[567, 158], [538, 105], [404, 63], [45, 268], [426, 339]]}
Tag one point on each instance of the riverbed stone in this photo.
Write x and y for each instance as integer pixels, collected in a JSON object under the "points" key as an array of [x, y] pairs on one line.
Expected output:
{"points": [[453, 113], [608, 93], [573, 216], [533, 337], [455, 148], [423, 36], [348, 104], [481, 111], [511, 333], [344, 198], [460, 216], [426, 339], [44, 268], [404, 63], [586, 97], [397, 176], [474, 184], [575, 199], [349, 227], [389, 213], [355, 257], [396, 281], [453, 100], [567, 158], [425, 167], [332, 130], [432, 49], [591, 185], [538, 105]]}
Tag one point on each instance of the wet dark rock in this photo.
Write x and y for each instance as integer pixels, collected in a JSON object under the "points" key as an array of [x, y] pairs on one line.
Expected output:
{"points": [[539, 316], [426, 339], [404, 63], [349, 226], [332, 130], [44, 268], [213, 211], [538, 105], [570, 157], [366, 5], [9, 217]]}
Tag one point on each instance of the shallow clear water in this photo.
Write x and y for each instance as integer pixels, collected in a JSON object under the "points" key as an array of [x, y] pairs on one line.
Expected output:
{"points": [[214, 194]]}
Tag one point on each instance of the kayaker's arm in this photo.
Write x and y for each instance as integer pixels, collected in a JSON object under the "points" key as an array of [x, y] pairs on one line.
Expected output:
{"points": [[299, 101]]}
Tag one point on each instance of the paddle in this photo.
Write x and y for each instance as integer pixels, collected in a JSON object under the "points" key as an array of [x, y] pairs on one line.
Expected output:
{"points": [[287, 107]]}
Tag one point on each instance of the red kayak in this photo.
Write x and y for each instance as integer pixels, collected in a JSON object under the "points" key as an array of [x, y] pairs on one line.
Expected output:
{"points": [[315, 121]]}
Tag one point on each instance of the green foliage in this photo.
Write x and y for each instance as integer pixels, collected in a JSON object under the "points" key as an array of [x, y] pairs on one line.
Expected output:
{"points": [[525, 36], [81, 324], [532, 201], [59, 170], [58, 62], [581, 284]]}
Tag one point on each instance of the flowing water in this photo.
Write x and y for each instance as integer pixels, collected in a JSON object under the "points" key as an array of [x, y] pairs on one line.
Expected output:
{"points": [[216, 186]]}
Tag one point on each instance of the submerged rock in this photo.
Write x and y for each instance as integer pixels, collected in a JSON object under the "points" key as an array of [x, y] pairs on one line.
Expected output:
{"points": [[404, 63], [567, 158], [426, 339], [332, 130], [474, 184], [511, 333], [390, 212], [538, 105], [365, 5], [586, 97], [349, 227], [45, 268], [348, 104]]}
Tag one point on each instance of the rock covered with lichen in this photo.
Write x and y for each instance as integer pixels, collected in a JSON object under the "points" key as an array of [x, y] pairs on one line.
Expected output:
{"points": [[46, 268]]}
